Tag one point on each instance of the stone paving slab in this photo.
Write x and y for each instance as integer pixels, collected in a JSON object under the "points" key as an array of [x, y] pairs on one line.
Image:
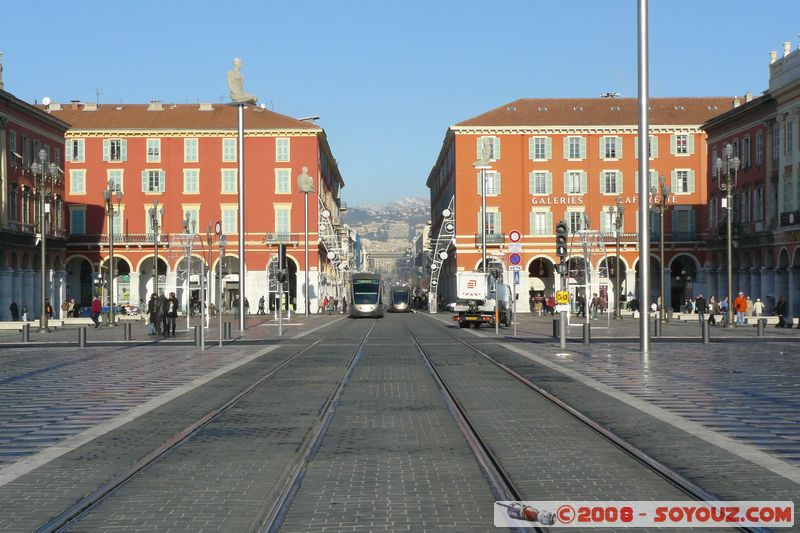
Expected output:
{"points": [[393, 458]]}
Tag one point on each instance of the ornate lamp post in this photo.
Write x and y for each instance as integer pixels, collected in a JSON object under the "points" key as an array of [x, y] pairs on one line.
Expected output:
{"points": [[188, 229], [108, 197], [45, 175], [729, 169], [306, 185], [618, 214], [482, 164], [156, 214], [659, 196]]}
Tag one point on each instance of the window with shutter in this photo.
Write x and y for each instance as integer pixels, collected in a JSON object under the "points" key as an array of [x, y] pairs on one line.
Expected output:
{"points": [[191, 181], [283, 181], [229, 150]]}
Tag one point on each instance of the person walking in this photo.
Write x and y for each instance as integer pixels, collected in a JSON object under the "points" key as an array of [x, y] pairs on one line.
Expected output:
{"points": [[344, 306], [152, 314], [713, 310], [246, 307], [758, 307], [14, 311], [325, 305], [723, 307], [65, 309], [24, 312], [74, 308], [749, 307], [163, 307], [700, 305], [172, 314], [261, 306], [97, 308], [780, 310], [740, 304]]}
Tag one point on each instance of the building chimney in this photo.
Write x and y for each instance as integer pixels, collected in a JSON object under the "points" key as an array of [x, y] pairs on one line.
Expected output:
{"points": [[74, 104], [736, 101], [787, 48], [748, 97], [773, 56]]}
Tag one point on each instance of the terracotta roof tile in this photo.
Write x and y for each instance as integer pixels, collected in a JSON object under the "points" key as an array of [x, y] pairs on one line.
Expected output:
{"points": [[175, 116], [600, 111]]}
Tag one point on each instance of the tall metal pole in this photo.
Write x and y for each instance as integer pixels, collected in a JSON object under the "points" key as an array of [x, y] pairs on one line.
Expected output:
{"points": [[219, 284], [110, 260], [644, 189], [483, 221], [729, 207], [661, 209], [241, 217], [43, 317], [306, 256]]}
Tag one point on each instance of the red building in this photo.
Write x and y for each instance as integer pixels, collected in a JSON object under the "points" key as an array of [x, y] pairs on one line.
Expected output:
{"points": [[185, 158], [26, 131]]}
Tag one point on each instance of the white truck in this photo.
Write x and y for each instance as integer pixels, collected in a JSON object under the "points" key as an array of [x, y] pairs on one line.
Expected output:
{"points": [[477, 293]]}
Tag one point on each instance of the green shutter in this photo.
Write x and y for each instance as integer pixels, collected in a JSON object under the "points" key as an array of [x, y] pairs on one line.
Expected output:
{"points": [[619, 182], [162, 181], [583, 147], [531, 183], [584, 187], [602, 147], [81, 146], [496, 146], [566, 182], [497, 183], [480, 149], [673, 182], [67, 148], [549, 222], [548, 148], [549, 183], [106, 150], [673, 143], [691, 181], [566, 147], [531, 223], [690, 143], [498, 226], [636, 182], [144, 181], [478, 181], [602, 181], [124, 149], [691, 221], [636, 147], [531, 151], [653, 147], [619, 147]]}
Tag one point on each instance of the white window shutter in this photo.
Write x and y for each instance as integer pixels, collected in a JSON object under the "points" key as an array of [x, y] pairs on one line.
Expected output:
{"points": [[653, 147], [673, 182], [532, 221], [124, 149], [145, 183], [691, 181], [566, 182], [68, 146], [602, 181], [549, 183], [673, 143], [106, 149], [690, 143], [691, 217], [531, 151], [497, 183], [80, 150], [548, 148], [636, 182], [583, 147], [478, 181], [602, 147], [531, 183], [496, 147], [162, 181], [566, 147], [480, 148], [636, 147], [619, 147], [498, 226], [584, 188], [618, 177], [549, 219]]}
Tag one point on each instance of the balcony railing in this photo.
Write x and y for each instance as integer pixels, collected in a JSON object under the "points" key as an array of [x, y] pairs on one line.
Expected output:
{"points": [[790, 218], [122, 238], [283, 238], [492, 239]]}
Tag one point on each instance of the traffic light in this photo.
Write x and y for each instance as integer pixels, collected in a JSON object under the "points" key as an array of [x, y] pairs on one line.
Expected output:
{"points": [[562, 231], [281, 256]]}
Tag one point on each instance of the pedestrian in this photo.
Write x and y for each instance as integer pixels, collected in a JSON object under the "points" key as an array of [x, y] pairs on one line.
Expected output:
{"points": [[97, 308], [261, 306], [595, 306], [344, 305], [749, 307], [246, 306], [235, 305], [14, 311], [48, 309], [700, 305], [740, 304], [65, 309], [713, 311], [654, 306], [74, 308], [780, 310], [325, 304], [152, 313], [758, 307], [172, 314], [161, 309], [723, 308], [24, 312]]}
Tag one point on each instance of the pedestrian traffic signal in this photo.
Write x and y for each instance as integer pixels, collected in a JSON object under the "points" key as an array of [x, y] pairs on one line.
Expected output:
{"points": [[282, 256], [562, 231]]}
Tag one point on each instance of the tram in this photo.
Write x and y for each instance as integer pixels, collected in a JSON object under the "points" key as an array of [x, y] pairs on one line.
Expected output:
{"points": [[400, 300], [366, 295]]}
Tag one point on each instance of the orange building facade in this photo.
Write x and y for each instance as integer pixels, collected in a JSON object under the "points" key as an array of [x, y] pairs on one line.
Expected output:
{"points": [[574, 160], [185, 158]]}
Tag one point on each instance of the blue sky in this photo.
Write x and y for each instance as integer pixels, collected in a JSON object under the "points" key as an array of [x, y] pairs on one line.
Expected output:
{"points": [[386, 78]]}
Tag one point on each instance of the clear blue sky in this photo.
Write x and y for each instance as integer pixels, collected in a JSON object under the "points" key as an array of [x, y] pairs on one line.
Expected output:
{"points": [[386, 78]]}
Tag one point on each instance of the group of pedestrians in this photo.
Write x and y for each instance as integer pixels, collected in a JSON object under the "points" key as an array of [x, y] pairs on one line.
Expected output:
{"points": [[162, 313], [743, 306], [333, 305]]}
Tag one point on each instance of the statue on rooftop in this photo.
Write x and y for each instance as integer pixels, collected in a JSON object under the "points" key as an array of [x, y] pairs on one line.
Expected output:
{"points": [[236, 85]]}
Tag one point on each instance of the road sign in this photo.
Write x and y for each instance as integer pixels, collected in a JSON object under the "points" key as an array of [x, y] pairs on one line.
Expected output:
{"points": [[562, 297], [516, 277], [514, 235], [515, 268], [514, 259], [562, 307], [218, 228], [515, 247]]}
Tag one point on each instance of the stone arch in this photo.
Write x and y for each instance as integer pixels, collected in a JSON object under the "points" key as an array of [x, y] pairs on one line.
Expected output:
{"points": [[783, 259], [25, 262], [79, 277], [541, 276], [769, 258], [683, 272]]}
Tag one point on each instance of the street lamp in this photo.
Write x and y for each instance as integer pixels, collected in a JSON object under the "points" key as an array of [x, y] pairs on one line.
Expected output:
{"points": [[618, 218], [108, 196], [156, 214], [306, 185], [482, 164], [188, 229], [729, 168], [660, 203], [45, 174]]}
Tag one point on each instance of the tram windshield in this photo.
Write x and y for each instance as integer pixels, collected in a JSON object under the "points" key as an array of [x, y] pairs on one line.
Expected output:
{"points": [[399, 296], [365, 291]]}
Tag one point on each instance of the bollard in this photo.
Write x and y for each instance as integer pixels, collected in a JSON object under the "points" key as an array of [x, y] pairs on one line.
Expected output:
{"points": [[706, 333], [587, 333], [26, 332], [760, 327], [126, 331], [227, 331], [657, 330], [555, 328], [82, 337], [197, 335]]}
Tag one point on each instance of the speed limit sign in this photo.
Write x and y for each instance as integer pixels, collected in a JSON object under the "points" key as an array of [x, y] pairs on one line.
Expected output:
{"points": [[562, 297]]}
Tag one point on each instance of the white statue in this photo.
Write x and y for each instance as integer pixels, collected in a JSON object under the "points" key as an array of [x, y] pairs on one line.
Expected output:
{"points": [[305, 182], [236, 85], [1, 70]]}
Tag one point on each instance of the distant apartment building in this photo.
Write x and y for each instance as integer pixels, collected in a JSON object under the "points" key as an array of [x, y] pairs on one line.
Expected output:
{"points": [[25, 133], [185, 158], [764, 133], [573, 159]]}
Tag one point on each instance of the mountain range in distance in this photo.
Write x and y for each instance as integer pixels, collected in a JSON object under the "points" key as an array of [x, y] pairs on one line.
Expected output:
{"points": [[401, 218]]}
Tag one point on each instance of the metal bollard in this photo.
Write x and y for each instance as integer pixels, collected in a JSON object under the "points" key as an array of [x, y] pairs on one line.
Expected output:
{"points": [[197, 335], [82, 337], [126, 331], [760, 327], [706, 332], [26, 332], [227, 331], [556, 322], [657, 330], [587, 333]]}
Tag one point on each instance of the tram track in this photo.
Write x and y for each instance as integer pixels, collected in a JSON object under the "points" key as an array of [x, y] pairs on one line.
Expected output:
{"points": [[500, 475], [87, 504]]}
